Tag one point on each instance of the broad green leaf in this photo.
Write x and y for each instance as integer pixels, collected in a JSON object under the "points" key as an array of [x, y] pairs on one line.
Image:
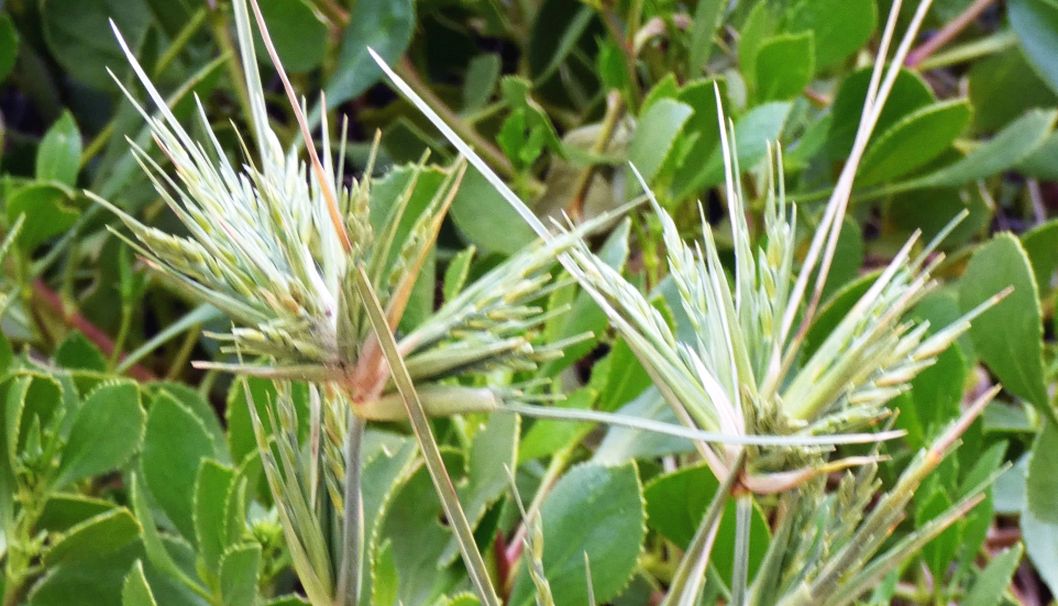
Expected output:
{"points": [[300, 37], [483, 72], [545, 436], [137, 591], [106, 432], [655, 135], [761, 23], [47, 212], [675, 505], [1009, 147], [940, 552], [708, 16], [384, 25], [78, 34], [909, 93], [94, 580], [1036, 24], [486, 220], [63, 511], [386, 468], [95, 537], [1041, 245], [197, 404], [492, 456], [594, 510], [210, 511], [414, 528], [754, 130], [931, 210], [702, 131], [935, 398], [59, 154], [840, 27], [990, 82], [1007, 337], [1039, 518], [626, 377], [8, 46], [174, 446], [992, 582], [784, 67], [915, 140], [456, 273], [154, 546], [76, 351], [238, 575], [1042, 163]]}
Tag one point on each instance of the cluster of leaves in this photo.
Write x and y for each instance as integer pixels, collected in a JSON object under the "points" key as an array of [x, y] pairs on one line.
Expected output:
{"points": [[705, 397]]}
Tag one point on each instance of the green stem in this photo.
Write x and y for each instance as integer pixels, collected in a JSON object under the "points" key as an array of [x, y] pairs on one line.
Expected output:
{"points": [[123, 334], [180, 41], [349, 581]]}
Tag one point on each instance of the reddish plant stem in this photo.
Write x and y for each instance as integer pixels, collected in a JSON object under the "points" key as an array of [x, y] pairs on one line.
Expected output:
{"points": [[73, 318], [946, 34]]}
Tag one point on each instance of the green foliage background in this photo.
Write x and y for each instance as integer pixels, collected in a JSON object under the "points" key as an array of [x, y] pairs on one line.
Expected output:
{"points": [[129, 477]]}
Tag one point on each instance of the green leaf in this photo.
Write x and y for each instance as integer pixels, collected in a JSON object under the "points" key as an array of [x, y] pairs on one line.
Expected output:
{"points": [[909, 93], [387, 466], [137, 591], [1007, 337], [840, 27], [174, 446], [456, 273], [238, 575], [384, 25], [1041, 245], [8, 46], [486, 220], [46, 209], [153, 545], [545, 436], [210, 511], [95, 537], [493, 453], [593, 510], [1039, 518], [990, 82], [1036, 24], [300, 37], [761, 23], [483, 72], [675, 504], [991, 584], [78, 34], [107, 430], [197, 404], [63, 511], [59, 154], [1009, 147], [708, 16], [655, 135], [76, 351], [1042, 163], [416, 536], [784, 67], [935, 398], [914, 141]]}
